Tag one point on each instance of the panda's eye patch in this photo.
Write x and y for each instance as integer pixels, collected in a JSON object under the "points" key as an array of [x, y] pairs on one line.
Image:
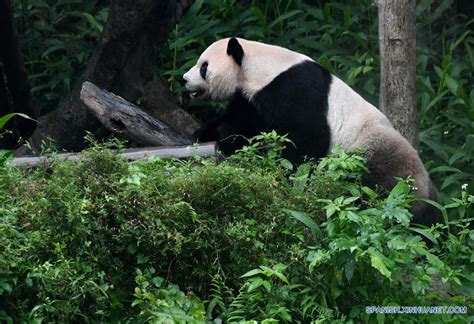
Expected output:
{"points": [[203, 70]]}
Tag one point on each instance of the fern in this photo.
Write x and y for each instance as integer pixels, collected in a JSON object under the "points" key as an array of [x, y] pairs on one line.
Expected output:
{"points": [[239, 308], [220, 297], [313, 310]]}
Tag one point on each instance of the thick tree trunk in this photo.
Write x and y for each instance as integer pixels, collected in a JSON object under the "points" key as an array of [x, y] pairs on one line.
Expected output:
{"points": [[122, 63], [159, 102], [15, 94], [397, 35]]}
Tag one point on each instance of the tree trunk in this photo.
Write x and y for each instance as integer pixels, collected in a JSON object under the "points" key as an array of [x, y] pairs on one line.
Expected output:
{"points": [[397, 35], [121, 63], [15, 94], [162, 104]]}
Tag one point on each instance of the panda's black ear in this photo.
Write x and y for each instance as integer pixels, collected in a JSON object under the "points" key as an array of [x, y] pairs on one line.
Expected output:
{"points": [[235, 50]]}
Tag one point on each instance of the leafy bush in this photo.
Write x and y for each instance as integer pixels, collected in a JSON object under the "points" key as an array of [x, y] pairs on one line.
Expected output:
{"points": [[247, 239]]}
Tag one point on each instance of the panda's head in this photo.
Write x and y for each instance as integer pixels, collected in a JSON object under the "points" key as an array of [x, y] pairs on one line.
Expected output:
{"points": [[236, 64], [216, 74]]}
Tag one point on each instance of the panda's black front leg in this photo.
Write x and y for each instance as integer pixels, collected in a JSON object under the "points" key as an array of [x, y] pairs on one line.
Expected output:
{"points": [[208, 132], [238, 123]]}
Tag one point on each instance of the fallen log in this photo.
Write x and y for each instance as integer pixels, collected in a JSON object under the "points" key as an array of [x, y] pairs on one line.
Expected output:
{"points": [[127, 120], [203, 150]]}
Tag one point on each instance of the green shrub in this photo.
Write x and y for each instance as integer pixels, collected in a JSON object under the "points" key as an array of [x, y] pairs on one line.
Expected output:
{"points": [[247, 239]]}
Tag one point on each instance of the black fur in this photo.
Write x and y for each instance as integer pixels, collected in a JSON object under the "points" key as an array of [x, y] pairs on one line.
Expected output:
{"points": [[238, 123], [235, 50], [296, 103], [284, 105], [203, 70]]}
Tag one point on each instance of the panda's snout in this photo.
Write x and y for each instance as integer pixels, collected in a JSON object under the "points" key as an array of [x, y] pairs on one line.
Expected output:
{"points": [[195, 90]]}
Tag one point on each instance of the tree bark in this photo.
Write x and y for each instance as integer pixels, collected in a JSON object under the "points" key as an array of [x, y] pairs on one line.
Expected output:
{"points": [[159, 102], [397, 36], [15, 94], [121, 63], [129, 121]]}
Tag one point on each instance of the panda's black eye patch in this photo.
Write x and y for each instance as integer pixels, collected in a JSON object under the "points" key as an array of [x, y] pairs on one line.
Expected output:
{"points": [[203, 70]]}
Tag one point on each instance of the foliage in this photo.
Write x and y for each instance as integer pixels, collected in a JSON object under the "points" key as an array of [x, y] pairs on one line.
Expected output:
{"points": [[165, 304], [57, 38], [7, 154], [247, 239]]}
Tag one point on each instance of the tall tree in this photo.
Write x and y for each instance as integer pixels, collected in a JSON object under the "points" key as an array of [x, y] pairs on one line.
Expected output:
{"points": [[397, 36], [121, 63], [15, 94]]}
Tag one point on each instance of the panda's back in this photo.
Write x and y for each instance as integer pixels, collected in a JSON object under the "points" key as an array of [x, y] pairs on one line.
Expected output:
{"points": [[350, 117]]}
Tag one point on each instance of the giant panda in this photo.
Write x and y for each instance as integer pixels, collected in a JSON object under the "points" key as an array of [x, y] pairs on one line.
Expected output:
{"points": [[273, 88]]}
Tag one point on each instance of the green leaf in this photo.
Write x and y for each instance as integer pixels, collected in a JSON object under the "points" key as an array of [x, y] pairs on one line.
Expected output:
{"points": [[286, 164], [259, 15], [354, 217], [267, 285], [440, 207], [401, 188], [267, 271], [369, 192], [349, 200], [347, 18], [91, 20], [377, 261], [445, 168], [452, 85], [426, 234], [252, 273], [283, 17], [349, 270], [306, 220], [433, 259], [282, 277], [256, 282], [316, 258], [6, 118]]}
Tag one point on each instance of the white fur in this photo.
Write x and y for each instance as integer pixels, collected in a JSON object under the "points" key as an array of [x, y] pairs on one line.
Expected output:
{"points": [[355, 123], [262, 63], [348, 114]]}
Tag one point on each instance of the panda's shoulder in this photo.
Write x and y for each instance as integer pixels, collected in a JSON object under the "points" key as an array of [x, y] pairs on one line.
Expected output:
{"points": [[305, 79]]}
